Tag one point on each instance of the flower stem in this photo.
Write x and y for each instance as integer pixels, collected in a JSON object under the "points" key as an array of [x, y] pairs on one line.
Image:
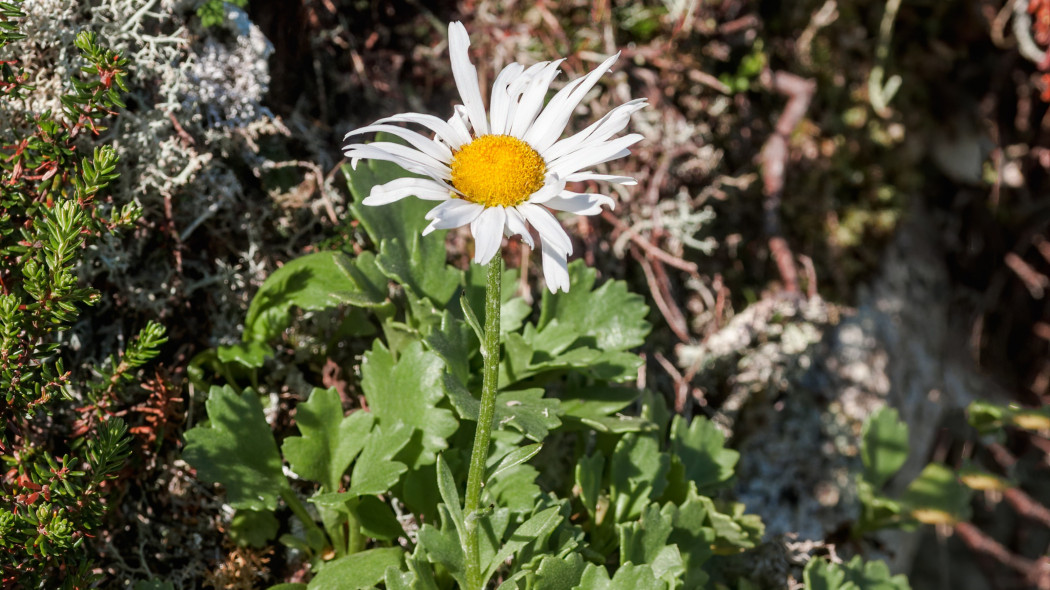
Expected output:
{"points": [[483, 434]]}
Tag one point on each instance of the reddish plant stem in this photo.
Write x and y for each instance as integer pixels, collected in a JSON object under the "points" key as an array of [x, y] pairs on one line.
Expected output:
{"points": [[1036, 573], [1027, 506], [773, 159], [664, 302], [650, 249]]}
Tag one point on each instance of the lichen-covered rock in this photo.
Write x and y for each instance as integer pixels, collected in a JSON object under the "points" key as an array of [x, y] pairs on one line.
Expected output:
{"points": [[794, 380]]}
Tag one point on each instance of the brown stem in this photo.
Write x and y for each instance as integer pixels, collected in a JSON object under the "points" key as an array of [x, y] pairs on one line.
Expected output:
{"points": [[1036, 573], [664, 302], [774, 158]]}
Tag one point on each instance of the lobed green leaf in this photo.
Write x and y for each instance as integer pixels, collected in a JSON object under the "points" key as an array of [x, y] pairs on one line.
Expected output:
{"points": [[236, 449]]}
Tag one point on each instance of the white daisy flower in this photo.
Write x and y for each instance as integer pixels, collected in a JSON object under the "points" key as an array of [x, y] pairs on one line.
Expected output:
{"points": [[503, 171]]}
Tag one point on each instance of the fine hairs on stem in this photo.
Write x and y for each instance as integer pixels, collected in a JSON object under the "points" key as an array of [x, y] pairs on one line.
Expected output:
{"points": [[490, 375]]}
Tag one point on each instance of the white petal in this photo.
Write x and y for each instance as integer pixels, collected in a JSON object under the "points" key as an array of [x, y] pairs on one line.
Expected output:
{"points": [[395, 190], [580, 203], [552, 121], [553, 185], [557, 102], [555, 267], [592, 156], [445, 132], [434, 149], [460, 122], [516, 89], [551, 232], [452, 213], [532, 98], [612, 123], [466, 76], [488, 233], [400, 151], [516, 226], [366, 151], [583, 176], [500, 100]]}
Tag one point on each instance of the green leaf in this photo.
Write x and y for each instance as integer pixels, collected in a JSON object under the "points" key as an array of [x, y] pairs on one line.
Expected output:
{"points": [[422, 315], [937, 496], [987, 417], [376, 471], [442, 546], [533, 353], [376, 518], [405, 255], [289, 586], [400, 220], [471, 317], [249, 354], [628, 577], [589, 481], [236, 449], [396, 579], [611, 317], [418, 489], [694, 539], [597, 406], [513, 486], [450, 494], [877, 511], [455, 343], [820, 574], [359, 570], [527, 410], [584, 330], [884, 446], [618, 424], [420, 576], [407, 391], [513, 309], [645, 542], [492, 529], [735, 531], [559, 573], [637, 474], [253, 528], [512, 315], [701, 447], [515, 458], [421, 269], [329, 441], [536, 528], [313, 282]]}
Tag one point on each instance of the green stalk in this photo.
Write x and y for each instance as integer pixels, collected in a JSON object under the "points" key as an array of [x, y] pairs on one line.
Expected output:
{"points": [[300, 511], [355, 540], [483, 434]]}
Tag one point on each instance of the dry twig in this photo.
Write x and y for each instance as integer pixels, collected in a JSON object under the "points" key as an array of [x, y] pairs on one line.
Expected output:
{"points": [[774, 161], [664, 301], [1036, 572], [650, 249]]}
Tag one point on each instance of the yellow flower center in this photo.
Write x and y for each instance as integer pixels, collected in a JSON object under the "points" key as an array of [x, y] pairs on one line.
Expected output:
{"points": [[498, 170]]}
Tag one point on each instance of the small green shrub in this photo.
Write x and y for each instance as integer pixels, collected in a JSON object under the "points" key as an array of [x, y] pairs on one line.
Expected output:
{"points": [[54, 477]]}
